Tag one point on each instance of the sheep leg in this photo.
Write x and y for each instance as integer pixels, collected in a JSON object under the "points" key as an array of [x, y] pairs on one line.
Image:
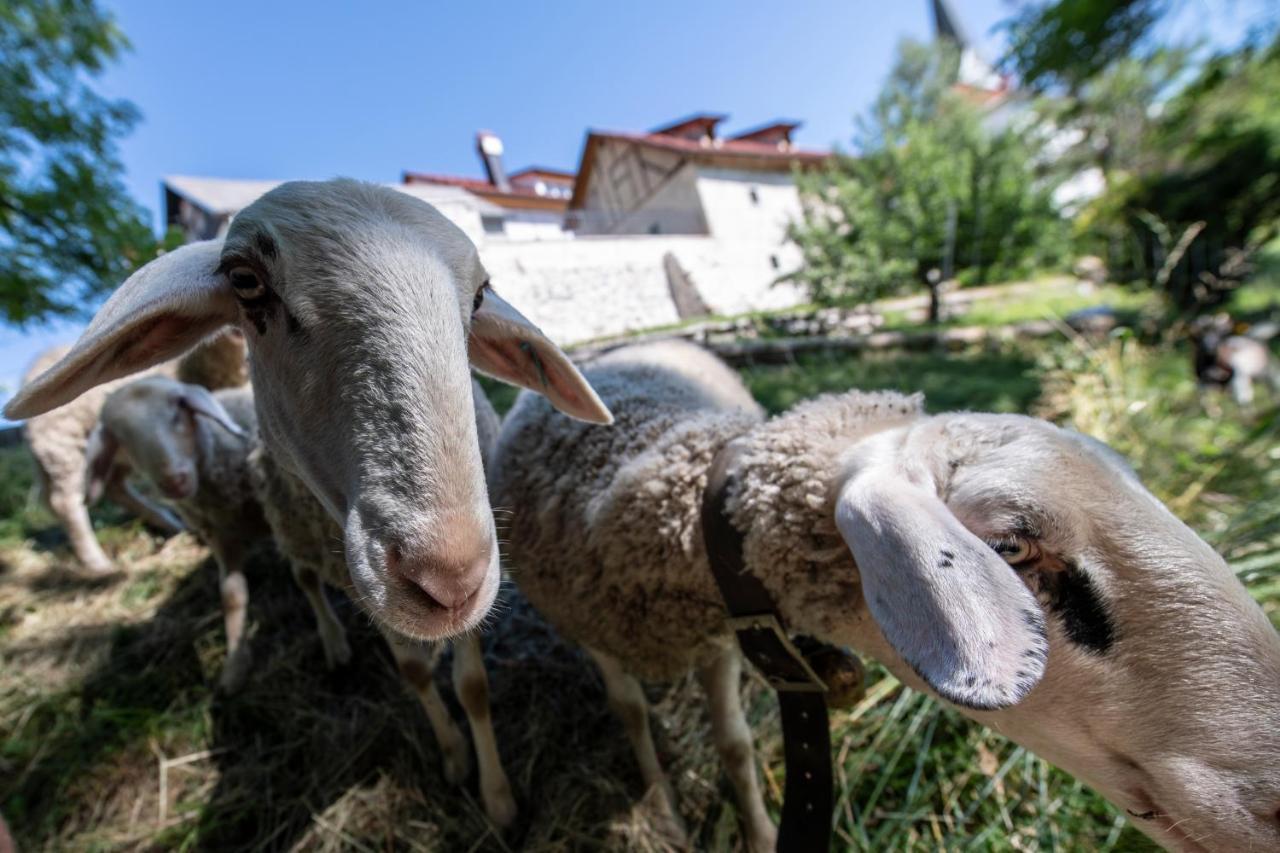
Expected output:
{"points": [[66, 500], [122, 492], [416, 663], [472, 685], [333, 637], [1242, 388], [626, 699], [720, 681], [235, 607]]}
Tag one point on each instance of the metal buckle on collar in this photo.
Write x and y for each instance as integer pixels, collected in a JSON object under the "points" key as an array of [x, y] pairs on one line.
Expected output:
{"points": [[768, 647]]}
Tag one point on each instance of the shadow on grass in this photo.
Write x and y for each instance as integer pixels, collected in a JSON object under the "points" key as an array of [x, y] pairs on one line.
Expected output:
{"points": [[1003, 380], [303, 757]]}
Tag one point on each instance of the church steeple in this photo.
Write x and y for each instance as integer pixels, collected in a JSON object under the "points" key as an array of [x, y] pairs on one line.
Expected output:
{"points": [[975, 71], [946, 25]]}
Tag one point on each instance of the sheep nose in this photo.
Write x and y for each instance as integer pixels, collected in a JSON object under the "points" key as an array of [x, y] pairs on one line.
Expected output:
{"points": [[447, 577], [177, 484]]}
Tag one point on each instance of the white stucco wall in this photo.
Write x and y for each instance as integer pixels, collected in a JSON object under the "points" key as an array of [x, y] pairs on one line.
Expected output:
{"points": [[725, 197], [590, 287], [532, 225], [674, 208], [597, 285]]}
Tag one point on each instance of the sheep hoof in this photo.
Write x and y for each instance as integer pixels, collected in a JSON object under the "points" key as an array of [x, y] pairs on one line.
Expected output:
{"points": [[100, 569], [500, 805], [235, 672], [658, 804], [457, 765], [339, 655], [763, 839]]}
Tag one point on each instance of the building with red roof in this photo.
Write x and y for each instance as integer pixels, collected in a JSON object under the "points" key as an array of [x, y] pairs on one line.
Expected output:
{"points": [[678, 178]]}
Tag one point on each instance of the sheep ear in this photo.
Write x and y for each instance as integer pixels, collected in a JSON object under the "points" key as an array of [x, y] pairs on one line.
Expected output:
{"points": [[99, 456], [954, 611], [204, 404], [506, 346], [161, 311]]}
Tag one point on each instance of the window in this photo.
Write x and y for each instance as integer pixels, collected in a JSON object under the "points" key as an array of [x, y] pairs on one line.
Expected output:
{"points": [[755, 195], [655, 228], [493, 224]]}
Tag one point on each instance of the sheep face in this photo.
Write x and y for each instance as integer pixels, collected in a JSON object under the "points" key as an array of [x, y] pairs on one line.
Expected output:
{"points": [[154, 423], [357, 317], [1161, 678], [361, 307]]}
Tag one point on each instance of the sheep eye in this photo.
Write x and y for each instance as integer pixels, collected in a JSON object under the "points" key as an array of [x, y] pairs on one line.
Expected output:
{"points": [[479, 298], [248, 286], [1015, 550]]}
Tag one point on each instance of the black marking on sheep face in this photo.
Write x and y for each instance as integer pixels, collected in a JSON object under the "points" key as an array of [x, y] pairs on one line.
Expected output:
{"points": [[259, 312], [292, 324], [257, 315], [265, 244], [1071, 595]]}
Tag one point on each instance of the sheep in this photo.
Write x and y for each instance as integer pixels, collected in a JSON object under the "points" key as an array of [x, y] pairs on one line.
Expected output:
{"points": [[193, 447], [361, 307], [57, 441], [307, 536], [1225, 360], [1016, 570], [220, 362]]}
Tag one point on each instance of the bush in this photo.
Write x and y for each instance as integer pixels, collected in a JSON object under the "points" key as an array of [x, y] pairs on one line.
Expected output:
{"points": [[939, 189]]}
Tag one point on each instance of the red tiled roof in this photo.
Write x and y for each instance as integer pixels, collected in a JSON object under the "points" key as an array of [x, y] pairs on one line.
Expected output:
{"points": [[517, 196], [980, 97], [542, 172], [700, 124], [774, 132], [733, 153], [745, 148], [449, 181]]}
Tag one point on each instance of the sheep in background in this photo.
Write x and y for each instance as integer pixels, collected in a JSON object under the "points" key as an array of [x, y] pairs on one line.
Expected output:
{"points": [[193, 447], [1223, 359], [361, 307], [220, 362], [57, 440], [1014, 569], [309, 538]]}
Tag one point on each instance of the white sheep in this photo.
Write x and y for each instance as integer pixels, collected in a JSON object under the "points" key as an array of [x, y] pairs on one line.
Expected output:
{"points": [[193, 447], [1012, 568], [1223, 359], [309, 539], [361, 307], [57, 440]]}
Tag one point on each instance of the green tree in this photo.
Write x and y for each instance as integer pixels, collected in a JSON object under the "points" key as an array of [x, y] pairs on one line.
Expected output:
{"points": [[1215, 191], [1061, 46], [932, 194], [68, 229]]}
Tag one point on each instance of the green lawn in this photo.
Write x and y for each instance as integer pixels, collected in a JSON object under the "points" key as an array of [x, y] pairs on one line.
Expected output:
{"points": [[111, 736]]}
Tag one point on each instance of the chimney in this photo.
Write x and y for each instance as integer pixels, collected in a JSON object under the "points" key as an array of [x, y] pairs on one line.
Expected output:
{"points": [[490, 148]]}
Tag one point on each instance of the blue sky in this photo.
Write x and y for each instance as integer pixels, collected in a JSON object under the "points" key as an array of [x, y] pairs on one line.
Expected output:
{"points": [[306, 89], [289, 89]]}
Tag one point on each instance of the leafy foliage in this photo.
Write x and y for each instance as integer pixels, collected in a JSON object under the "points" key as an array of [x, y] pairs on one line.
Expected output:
{"points": [[1190, 215], [937, 190], [68, 229], [1065, 44], [1191, 169]]}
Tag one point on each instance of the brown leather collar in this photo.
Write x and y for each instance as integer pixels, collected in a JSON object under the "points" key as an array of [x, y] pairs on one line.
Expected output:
{"points": [[762, 636]]}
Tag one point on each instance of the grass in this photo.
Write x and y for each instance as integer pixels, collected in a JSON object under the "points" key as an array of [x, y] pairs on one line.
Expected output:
{"points": [[111, 736], [993, 380], [1051, 301]]}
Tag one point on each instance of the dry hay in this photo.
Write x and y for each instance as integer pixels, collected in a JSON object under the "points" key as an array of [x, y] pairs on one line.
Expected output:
{"points": [[111, 734]]}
